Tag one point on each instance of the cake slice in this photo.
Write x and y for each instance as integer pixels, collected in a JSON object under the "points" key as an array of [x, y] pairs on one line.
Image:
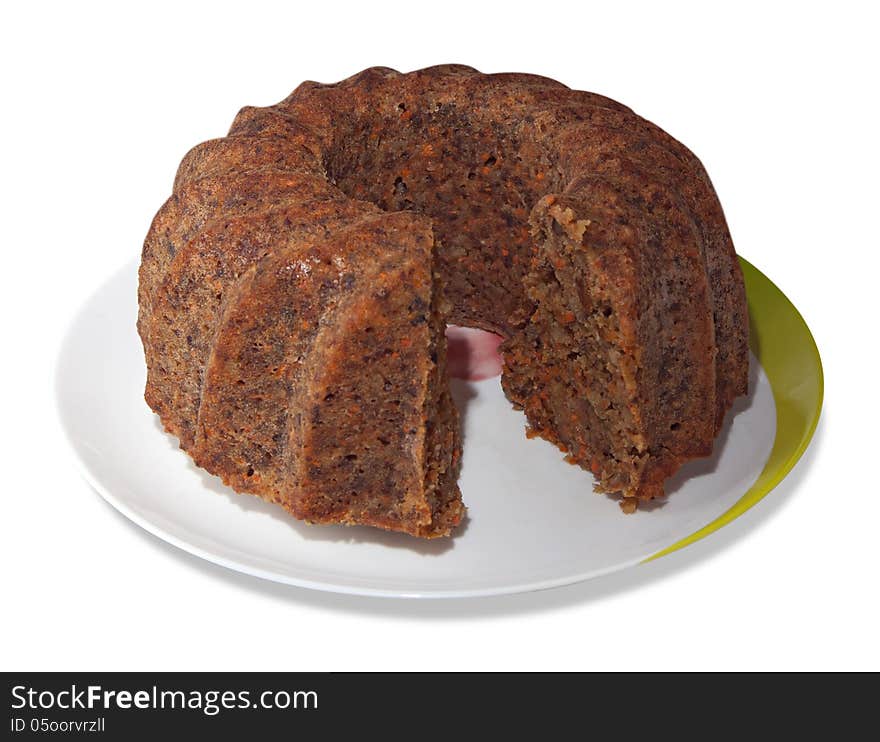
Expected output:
{"points": [[326, 389]]}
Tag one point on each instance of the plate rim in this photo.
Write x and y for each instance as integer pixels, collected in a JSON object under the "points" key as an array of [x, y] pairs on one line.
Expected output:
{"points": [[790, 442], [771, 307]]}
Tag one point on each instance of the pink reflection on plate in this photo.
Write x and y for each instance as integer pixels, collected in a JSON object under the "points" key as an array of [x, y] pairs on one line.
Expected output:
{"points": [[472, 354]]}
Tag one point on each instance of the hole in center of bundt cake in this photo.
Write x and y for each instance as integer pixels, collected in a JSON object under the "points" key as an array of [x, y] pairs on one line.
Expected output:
{"points": [[474, 183]]}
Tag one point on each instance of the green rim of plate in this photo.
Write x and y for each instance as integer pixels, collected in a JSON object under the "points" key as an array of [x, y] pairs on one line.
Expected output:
{"points": [[784, 345]]}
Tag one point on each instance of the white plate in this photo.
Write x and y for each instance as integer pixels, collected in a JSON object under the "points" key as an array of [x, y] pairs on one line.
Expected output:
{"points": [[533, 522]]}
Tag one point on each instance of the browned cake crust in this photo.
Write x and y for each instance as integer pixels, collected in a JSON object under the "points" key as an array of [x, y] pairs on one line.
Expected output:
{"points": [[295, 287]]}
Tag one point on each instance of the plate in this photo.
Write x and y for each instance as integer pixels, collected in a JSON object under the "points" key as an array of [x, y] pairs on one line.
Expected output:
{"points": [[533, 520]]}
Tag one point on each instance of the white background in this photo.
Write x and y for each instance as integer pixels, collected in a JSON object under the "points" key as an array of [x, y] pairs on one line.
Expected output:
{"points": [[780, 103]]}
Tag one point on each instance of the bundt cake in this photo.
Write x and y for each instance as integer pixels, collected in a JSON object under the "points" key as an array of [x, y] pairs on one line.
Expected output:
{"points": [[295, 287]]}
